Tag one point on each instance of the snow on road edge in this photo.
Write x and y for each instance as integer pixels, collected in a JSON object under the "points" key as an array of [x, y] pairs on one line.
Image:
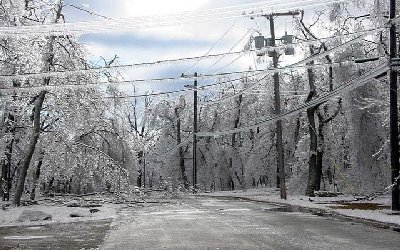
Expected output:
{"points": [[322, 203], [60, 214]]}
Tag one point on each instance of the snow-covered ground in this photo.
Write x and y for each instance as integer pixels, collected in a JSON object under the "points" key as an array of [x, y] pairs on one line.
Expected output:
{"points": [[60, 213], [60, 207], [328, 204]]}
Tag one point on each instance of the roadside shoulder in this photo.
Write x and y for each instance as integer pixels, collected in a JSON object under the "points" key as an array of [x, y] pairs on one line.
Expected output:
{"points": [[322, 206]]}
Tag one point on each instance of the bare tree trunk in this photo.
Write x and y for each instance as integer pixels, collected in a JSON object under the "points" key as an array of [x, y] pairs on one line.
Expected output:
{"points": [[181, 152], [31, 148], [317, 143], [2, 188], [233, 141], [312, 161], [5, 182], [320, 153], [39, 99], [321, 135], [36, 176], [322, 121], [6, 178]]}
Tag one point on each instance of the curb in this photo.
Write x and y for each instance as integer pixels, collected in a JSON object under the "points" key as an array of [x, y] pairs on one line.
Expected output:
{"points": [[319, 212]]}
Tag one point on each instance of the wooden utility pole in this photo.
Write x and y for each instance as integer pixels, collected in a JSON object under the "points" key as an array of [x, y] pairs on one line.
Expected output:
{"points": [[194, 132], [144, 169], [394, 129], [280, 178]]}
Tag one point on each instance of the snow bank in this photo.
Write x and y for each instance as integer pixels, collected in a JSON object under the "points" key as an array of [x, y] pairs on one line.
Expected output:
{"points": [[60, 214], [328, 204]]}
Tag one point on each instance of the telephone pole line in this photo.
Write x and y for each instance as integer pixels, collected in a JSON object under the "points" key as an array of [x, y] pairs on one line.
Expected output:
{"points": [[280, 178], [144, 169], [394, 126], [194, 133]]}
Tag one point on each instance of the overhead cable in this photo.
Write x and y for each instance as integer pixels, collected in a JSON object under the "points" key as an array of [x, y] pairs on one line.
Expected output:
{"points": [[172, 150], [212, 47], [146, 22], [147, 64], [183, 113], [146, 95], [250, 73], [292, 66], [346, 87], [230, 51]]}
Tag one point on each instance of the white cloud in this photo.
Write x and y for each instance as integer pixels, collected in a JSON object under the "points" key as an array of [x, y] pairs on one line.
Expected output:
{"points": [[133, 8], [181, 39], [202, 30]]}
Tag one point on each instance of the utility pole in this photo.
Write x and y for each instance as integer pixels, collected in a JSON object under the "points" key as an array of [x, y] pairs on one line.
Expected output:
{"points": [[280, 178], [194, 132], [144, 169], [394, 129]]}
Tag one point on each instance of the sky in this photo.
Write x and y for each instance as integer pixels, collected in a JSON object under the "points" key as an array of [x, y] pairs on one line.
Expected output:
{"points": [[188, 40]]}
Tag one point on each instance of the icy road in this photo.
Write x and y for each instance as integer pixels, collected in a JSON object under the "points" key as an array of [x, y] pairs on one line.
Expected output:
{"points": [[208, 223]]}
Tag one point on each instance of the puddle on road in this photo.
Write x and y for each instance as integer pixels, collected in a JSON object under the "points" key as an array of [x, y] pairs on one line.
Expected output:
{"points": [[234, 209], [34, 228], [278, 209], [174, 212], [25, 237]]}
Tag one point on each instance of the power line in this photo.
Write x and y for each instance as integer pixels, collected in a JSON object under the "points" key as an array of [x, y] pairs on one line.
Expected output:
{"points": [[200, 88], [196, 13], [253, 92], [252, 73], [213, 46], [146, 22], [251, 87], [184, 143], [345, 87], [148, 64], [299, 64], [90, 12], [184, 112], [216, 62], [146, 95], [229, 64], [274, 48], [114, 67], [170, 151], [93, 85], [326, 97]]}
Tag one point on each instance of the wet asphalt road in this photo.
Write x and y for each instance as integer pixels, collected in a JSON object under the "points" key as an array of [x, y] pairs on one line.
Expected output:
{"points": [[208, 223], [78, 235]]}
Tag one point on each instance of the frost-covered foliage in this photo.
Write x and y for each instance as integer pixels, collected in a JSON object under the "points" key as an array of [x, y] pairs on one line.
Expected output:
{"points": [[92, 140], [83, 145], [355, 155], [351, 145]]}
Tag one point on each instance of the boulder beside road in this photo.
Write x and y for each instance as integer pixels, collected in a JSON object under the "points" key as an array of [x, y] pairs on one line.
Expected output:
{"points": [[33, 215], [77, 214], [72, 204]]}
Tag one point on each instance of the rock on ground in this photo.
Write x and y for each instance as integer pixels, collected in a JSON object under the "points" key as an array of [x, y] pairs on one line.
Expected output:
{"points": [[73, 204], [32, 215], [94, 210], [76, 214]]}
